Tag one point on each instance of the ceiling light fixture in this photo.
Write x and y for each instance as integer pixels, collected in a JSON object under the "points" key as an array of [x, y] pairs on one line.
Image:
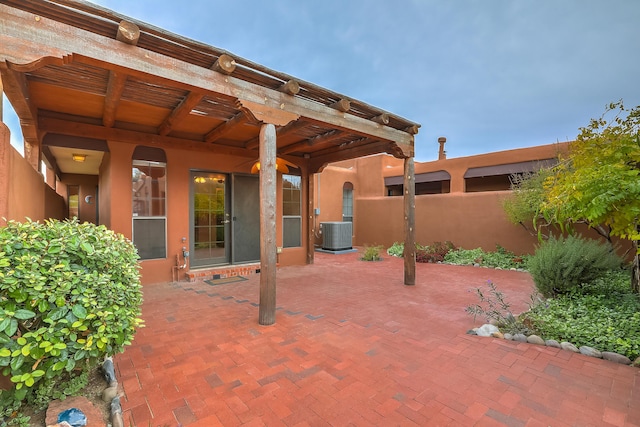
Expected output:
{"points": [[281, 166], [79, 157]]}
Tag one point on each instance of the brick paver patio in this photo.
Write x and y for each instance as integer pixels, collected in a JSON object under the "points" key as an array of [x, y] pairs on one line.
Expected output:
{"points": [[353, 346]]}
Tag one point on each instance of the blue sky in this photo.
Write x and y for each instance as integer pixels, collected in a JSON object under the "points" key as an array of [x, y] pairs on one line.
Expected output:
{"points": [[489, 75]]}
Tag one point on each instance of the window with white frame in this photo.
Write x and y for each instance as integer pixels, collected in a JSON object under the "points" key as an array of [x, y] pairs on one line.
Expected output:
{"points": [[291, 211]]}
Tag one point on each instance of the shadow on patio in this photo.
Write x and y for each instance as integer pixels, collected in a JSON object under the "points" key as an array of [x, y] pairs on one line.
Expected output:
{"points": [[353, 346]]}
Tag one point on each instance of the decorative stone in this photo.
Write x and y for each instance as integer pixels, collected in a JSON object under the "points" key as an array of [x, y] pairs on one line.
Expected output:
{"points": [[94, 415], [471, 332], [616, 357], [520, 338], [486, 330], [590, 351], [508, 336], [552, 343], [109, 393], [497, 335], [534, 339], [636, 362], [568, 346]]}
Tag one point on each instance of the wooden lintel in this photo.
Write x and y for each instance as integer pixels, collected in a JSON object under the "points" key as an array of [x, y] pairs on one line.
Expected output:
{"points": [[180, 112], [225, 64], [115, 87], [128, 33], [383, 119], [343, 105], [65, 127], [226, 127], [292, 87]]}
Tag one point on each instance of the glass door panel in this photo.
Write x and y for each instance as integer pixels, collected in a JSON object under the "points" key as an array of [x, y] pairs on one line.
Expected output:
{"points": [[210, 219]]}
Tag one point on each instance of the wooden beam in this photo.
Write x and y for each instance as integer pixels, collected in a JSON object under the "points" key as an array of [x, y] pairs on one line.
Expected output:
{"points": [[180, 112], [324, 138], [383, 119], [128, 33], [16, 87], [224, 64], [413, 130], [292, 87], [115, 87], [409, 222], [226, 127], [64, 127], [280, 132], [343, 105], [318, 163], [268, 197]]}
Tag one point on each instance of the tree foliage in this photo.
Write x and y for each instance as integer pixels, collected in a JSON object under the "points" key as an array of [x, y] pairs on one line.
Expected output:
{"points": [[597, 180]]}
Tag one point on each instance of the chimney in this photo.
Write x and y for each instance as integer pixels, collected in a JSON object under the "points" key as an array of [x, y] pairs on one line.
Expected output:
{"points": [[442, 154]]}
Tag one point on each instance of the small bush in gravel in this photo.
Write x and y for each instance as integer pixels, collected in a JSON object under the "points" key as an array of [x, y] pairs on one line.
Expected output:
{"points": [[561, 265]]}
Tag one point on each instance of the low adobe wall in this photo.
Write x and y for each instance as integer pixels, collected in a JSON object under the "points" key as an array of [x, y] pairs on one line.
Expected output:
{"points": [[469, 220]]}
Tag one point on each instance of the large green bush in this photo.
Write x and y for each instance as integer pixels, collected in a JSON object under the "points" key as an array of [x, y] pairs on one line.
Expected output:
{"points": [[560, 265], [69, 294]]}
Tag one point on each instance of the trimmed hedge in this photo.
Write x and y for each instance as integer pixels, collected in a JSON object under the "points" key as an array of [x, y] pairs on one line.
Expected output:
{"points": [[69, 294]]}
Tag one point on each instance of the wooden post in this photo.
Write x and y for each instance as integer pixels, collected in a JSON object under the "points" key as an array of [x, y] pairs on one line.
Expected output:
{"points": [[267, 310], [409, 222], [307, 182]]}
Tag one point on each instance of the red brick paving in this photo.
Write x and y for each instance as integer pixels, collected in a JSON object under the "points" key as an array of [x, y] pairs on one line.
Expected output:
{"points": [[353, 346]]}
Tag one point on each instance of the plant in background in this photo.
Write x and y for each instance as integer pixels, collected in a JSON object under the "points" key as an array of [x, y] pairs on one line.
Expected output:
{"points": [[371, 253], [434, 253], [501, 258], [494, 308], [397, 250], [70, 295], [560, 265]]}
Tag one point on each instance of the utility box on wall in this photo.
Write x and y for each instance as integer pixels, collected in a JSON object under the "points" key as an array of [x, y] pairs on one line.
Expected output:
{"points": [[336, 235]]}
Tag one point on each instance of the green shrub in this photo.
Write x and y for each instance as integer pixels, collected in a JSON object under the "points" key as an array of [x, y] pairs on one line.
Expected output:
{"points": [[397, 250], [604, 314], [501, 258], [562, 264], [371, 253], [493, 307], [70, 294]]}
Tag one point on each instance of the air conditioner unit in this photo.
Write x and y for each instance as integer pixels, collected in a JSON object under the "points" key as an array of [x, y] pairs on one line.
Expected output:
{"points": [[336, 235]]}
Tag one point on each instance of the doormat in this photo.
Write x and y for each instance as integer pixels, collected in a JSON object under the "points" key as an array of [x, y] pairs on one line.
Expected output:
{"points": [[225, 280]]}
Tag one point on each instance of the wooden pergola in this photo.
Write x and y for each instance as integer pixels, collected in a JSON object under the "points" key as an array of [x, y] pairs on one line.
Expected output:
{"points": [[72, 69]]}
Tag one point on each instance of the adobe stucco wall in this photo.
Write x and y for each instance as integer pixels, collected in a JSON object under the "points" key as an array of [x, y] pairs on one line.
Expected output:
{"points": [[469, 220], [23, 192]]}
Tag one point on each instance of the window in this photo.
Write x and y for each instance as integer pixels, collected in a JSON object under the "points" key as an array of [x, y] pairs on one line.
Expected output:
{"points": [[347, 202], [149, 203], [291, 211]]}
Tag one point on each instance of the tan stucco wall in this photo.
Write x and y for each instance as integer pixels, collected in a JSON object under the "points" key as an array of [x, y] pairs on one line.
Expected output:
{"points": [[23, 192]]}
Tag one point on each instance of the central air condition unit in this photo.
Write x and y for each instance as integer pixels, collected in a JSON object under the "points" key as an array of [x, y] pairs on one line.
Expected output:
{"points": [[336, 235]]}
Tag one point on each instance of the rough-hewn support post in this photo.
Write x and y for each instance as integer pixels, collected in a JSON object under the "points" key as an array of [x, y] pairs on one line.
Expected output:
{"points": [[409, 222], [267, 311], [307, 181]]}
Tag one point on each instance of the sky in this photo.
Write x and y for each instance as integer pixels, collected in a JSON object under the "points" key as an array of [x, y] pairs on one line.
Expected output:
{"points": [[489, 75]]}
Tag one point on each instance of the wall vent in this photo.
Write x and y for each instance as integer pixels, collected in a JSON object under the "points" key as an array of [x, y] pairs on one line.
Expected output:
{"points": [[336, 235]]}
